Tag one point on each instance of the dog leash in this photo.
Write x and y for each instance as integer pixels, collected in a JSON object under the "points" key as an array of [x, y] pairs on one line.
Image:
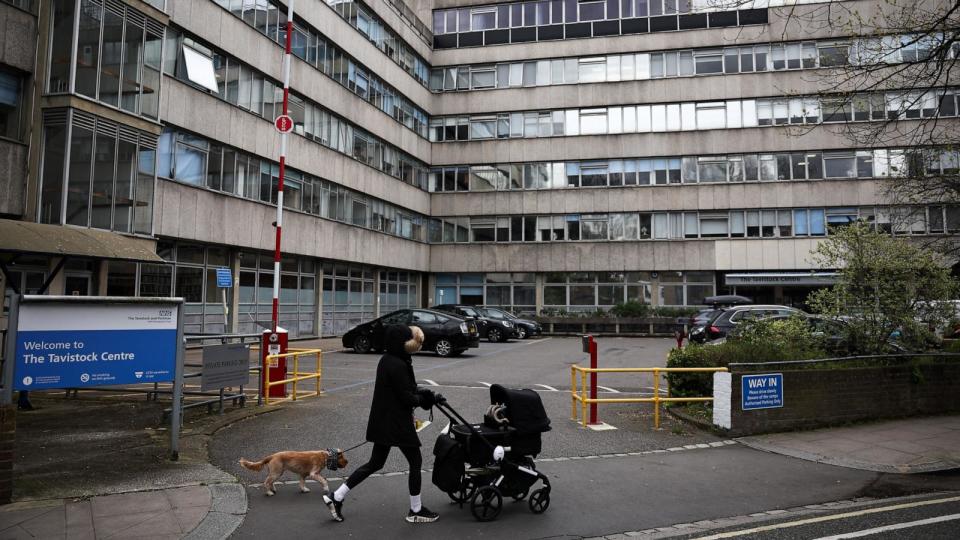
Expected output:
{"points": [[354, 447]]}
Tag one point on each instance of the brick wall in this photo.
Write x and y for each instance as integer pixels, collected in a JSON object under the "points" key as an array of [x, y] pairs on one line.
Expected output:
{"points": [[8, 429], [817, 398]]}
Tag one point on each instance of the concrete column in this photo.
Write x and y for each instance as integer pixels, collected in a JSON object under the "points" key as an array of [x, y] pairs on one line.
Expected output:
{"points": [[57, 286], [102, 275], [318, 320], [429, 290], [376, 293], [234, 303], [538, 294]]}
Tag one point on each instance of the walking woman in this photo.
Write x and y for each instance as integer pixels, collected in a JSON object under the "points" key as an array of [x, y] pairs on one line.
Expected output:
{"points": [[395, 395]]}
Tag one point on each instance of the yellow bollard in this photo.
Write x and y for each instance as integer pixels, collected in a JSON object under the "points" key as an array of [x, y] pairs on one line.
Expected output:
{"points": [[583, 397], [296, 373], [319, 370], [656, 398], [573, 393]]}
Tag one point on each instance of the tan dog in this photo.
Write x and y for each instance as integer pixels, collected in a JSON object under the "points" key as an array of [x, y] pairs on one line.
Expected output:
{"points": [[415, 343], [305, 464]]}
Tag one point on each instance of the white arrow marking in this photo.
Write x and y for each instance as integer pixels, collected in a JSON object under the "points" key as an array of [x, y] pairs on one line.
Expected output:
{"points": [[431, 383], [550, 388], [608, 389], [488, 385]]}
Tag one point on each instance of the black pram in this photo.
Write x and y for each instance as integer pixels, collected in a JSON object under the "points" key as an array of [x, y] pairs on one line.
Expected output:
{"points": [[466, 465]]}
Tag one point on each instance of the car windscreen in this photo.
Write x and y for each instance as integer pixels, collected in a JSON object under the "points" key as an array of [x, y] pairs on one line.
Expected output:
{"points": [[494, 313], [469, 312]]}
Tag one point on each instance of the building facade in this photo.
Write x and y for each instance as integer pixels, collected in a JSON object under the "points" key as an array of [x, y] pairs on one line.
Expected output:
{"points": [[551, 155]]}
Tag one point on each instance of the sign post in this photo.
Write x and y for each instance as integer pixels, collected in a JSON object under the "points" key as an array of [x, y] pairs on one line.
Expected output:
{"points": [[57, 342], [224, 282]]}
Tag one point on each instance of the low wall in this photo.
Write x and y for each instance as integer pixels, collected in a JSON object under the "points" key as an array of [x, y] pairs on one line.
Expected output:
{"points": [[824, 397], [612, 326]]}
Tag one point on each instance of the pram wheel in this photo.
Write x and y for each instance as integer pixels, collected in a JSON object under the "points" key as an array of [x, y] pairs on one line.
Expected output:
{"points": [[486, 503], [463, 494], [539, 500]]}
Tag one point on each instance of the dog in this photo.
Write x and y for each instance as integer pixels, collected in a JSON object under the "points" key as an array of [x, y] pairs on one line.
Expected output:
{"points": [[305, 464]]}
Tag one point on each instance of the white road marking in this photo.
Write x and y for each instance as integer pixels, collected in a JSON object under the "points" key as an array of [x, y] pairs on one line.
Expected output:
{"points": [[894, 527], [431, 383], [488, 385], [608, 389], [834, 517], [547, 387]]}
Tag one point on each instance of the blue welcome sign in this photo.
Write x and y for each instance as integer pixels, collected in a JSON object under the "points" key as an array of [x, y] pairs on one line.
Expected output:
{"points": [[76, 344], [762, 391]]}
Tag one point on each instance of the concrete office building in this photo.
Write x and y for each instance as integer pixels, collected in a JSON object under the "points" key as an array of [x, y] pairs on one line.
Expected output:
{"points": [[540, 155]]}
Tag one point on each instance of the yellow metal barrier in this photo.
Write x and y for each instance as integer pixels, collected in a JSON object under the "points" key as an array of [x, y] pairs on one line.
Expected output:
{"points": [[298, 376], [584, 400]]}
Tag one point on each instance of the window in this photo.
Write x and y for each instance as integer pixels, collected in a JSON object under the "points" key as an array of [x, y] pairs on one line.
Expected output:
{"points": [[593, 121], [200, 69], [483, 19], [839, 165], [593, 227], [711, 115], [593, 69], [708, 62], [10, 104], [109, 177]]}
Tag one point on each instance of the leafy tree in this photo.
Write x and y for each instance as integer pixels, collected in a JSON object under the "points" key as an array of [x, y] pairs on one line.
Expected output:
{"points": [[885, 284]]}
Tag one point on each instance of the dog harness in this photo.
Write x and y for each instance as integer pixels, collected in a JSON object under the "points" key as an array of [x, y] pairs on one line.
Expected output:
{"points": [[333, 459]]}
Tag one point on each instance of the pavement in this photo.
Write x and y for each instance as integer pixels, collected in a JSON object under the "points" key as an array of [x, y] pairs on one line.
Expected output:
{"points": [[912, 445], [165, 514], [633, 481]]}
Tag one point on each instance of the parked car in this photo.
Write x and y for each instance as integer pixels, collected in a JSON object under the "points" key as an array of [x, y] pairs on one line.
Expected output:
{"points": [[833, 332], [702, 317], [445, 334], [725, 320], [523, 328], [492, 329]]}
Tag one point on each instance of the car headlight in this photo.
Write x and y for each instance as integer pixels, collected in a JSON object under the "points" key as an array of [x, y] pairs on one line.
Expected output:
{"points": [[463, 328], [508, 324]]}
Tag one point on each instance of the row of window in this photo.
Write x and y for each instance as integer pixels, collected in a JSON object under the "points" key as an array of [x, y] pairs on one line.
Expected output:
{"points": [[782, 223], [118, 54], [361, 17], [269, 17], [570, 19], [810, 165], [96, 173], [687, 63], [695, 116], [317, 51], [248, 89], [194, 160], [547, 12]]}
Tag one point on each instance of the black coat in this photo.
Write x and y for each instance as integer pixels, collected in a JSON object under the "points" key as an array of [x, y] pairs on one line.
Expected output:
{"points": [[394, 398]]}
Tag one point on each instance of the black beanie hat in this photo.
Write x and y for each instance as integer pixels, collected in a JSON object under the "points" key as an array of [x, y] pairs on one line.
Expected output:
{"points": [[394, 338]]}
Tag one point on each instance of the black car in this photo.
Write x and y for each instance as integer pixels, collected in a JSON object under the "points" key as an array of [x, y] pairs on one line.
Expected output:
{"points": [[725, 320], [492, 329], [523, 328], [445, 334]]}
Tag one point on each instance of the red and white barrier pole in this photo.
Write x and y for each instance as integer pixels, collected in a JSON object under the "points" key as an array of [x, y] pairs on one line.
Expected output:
{"points": [[284, 125], [593, 381]]}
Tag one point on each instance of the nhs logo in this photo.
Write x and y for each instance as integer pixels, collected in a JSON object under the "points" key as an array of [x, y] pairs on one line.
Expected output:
{"points": [[762, 391]]}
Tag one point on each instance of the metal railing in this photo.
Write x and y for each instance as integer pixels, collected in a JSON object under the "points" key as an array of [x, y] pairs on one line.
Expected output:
{"points": [[585, 400], [298, 376]]}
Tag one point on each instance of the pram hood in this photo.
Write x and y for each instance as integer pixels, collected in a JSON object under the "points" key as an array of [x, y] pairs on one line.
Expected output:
{"points": [[524, 409]]}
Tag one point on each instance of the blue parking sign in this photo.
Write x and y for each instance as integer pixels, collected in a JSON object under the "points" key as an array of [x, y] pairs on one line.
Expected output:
{"points": [[224, 278], [762, 391]]}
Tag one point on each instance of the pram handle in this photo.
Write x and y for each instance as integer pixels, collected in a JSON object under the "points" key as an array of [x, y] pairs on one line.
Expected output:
{"points": [[455, 417]]}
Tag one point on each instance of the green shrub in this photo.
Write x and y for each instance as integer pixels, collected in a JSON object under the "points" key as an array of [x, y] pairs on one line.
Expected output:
{"points": [[756, 341], [630, 309]]}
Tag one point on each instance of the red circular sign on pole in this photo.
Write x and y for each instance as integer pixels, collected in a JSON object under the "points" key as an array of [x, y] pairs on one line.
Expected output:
{"points": [[283, 123]]}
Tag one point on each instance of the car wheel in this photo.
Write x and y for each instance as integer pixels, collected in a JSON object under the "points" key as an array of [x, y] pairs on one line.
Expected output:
{"points": [[443, 347], [362, 344], [522, 333], [494, 335]]}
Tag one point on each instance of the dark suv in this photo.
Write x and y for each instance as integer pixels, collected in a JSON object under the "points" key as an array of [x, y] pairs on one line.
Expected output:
{"points": [[445, 334], [725, 321], [492, 329]]}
